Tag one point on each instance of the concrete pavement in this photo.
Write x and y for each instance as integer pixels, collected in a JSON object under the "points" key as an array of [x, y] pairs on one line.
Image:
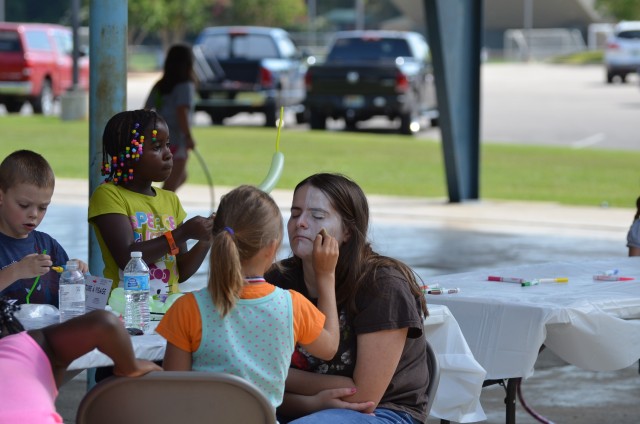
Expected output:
{"points": [[436, 237]]}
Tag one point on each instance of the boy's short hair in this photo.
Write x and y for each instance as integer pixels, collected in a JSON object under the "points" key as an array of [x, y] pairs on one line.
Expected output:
{"points": [[26, 167]]}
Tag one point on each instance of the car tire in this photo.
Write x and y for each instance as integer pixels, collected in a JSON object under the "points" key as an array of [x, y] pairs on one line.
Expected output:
{"points": [[216, 118], [317, 121], [302, 117], [406, 119], [13, 106], [43, 104], [350, 124], [270, 119]]}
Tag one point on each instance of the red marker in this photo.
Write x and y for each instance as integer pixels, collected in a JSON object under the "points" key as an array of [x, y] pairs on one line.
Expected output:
{"points": [[605, 277], [506, 279]]}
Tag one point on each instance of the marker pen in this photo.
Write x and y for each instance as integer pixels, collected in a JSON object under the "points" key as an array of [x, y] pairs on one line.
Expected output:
{"points": [[552, 280], [611, 278], [443, 291], [530, 283], [62, 268], [506, 279], [425, 288]]}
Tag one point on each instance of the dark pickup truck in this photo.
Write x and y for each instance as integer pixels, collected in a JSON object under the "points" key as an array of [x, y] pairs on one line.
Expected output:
{"points": [[248, 69], [373, 73]]}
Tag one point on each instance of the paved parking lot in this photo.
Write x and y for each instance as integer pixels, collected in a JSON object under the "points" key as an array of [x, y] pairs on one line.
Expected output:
{"points": [[532, 103]]}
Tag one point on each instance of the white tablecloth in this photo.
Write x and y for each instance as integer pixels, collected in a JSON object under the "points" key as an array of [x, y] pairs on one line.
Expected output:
{"points": [[461, 377], [591, 324]]}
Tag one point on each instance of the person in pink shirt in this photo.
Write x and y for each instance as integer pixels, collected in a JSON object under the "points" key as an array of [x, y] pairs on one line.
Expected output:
{"points": [[33, 363]]}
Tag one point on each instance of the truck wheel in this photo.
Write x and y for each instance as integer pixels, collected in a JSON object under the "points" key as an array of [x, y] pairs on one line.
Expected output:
{"points": [[270, 119], [216, 118], [406, 119], [302, 117], [317, 121], [13, 106], [43, 104], [350, 124]]}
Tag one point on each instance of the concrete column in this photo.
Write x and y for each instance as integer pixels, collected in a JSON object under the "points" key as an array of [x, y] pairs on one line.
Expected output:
{"points": [[107, 89], [454, 29]]}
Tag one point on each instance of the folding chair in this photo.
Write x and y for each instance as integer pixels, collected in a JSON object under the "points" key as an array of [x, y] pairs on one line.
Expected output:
{"points": [[434, 376], [173, 397]]}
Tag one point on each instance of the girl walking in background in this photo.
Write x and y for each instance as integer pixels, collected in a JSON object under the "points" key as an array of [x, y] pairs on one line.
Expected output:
{"points": [[173, 97], [240, 324]]}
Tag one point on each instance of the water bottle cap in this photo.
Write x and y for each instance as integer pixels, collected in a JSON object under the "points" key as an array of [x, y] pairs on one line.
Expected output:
{"points": [[71, 265], [136, 254]]}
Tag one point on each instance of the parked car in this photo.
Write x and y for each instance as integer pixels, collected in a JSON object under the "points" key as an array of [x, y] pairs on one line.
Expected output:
{"points": [[248, 69], [36, 65], [373, 73], [622, 51]]}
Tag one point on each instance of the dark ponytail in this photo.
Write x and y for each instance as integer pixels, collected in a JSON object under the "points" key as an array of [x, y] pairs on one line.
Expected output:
{"points": [[9, 324]]}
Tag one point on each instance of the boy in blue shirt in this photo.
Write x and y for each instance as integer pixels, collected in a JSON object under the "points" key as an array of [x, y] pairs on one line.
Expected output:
{"points": [[26, 186]]}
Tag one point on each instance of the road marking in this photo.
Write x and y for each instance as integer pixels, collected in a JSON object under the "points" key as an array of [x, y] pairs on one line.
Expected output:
{"points": [[588, 141]]}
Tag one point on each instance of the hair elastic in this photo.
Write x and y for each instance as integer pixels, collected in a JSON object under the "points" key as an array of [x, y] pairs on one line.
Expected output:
{"points": [[229, 230]]}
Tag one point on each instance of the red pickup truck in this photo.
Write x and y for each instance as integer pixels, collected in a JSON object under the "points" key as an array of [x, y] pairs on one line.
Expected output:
{"points": [[36, 65]]}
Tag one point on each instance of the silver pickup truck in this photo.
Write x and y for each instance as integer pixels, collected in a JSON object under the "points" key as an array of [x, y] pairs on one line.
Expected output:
{"points": [[248, 69]]}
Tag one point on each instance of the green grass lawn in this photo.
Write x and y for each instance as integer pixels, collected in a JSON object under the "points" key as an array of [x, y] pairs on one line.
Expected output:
{"points": [[380, 163]]}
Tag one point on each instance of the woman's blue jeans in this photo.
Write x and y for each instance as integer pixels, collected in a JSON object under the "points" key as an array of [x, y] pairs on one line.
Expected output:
{"points": [[346, 416]]}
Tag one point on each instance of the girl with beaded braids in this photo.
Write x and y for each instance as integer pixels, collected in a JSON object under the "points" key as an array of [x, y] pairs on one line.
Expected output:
{"points": [[33, 363], [128, 213], [241, 324]]}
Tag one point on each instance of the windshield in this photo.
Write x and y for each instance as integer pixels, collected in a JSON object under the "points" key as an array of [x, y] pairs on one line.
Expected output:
{"points": [[9, 42], [630, 35], [245, 46], [347, 49]]}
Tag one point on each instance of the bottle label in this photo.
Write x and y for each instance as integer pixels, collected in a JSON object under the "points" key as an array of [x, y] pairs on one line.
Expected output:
{"points": [[136, 282]]}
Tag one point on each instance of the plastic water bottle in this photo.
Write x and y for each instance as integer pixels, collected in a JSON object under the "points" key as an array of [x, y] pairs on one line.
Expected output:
{"points": [[71, 292], [136, 293]]}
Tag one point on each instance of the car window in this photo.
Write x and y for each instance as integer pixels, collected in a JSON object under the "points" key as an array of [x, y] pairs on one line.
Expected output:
{"points": [[346, 49], [38, 40], [246, 46], [630, 35], [216, 45], [64, 41], [253, 46], [10, 42], [287, 47]]}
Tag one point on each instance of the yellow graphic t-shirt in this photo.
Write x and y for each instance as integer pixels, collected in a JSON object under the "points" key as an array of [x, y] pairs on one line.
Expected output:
{"points": [[150, 217]]}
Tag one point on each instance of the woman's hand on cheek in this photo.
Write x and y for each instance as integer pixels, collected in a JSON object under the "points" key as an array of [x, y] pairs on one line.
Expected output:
{"points": [[325, 253]]}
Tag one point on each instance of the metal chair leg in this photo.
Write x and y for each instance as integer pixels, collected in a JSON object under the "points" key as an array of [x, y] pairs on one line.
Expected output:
{"points": [[510, 400]]}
